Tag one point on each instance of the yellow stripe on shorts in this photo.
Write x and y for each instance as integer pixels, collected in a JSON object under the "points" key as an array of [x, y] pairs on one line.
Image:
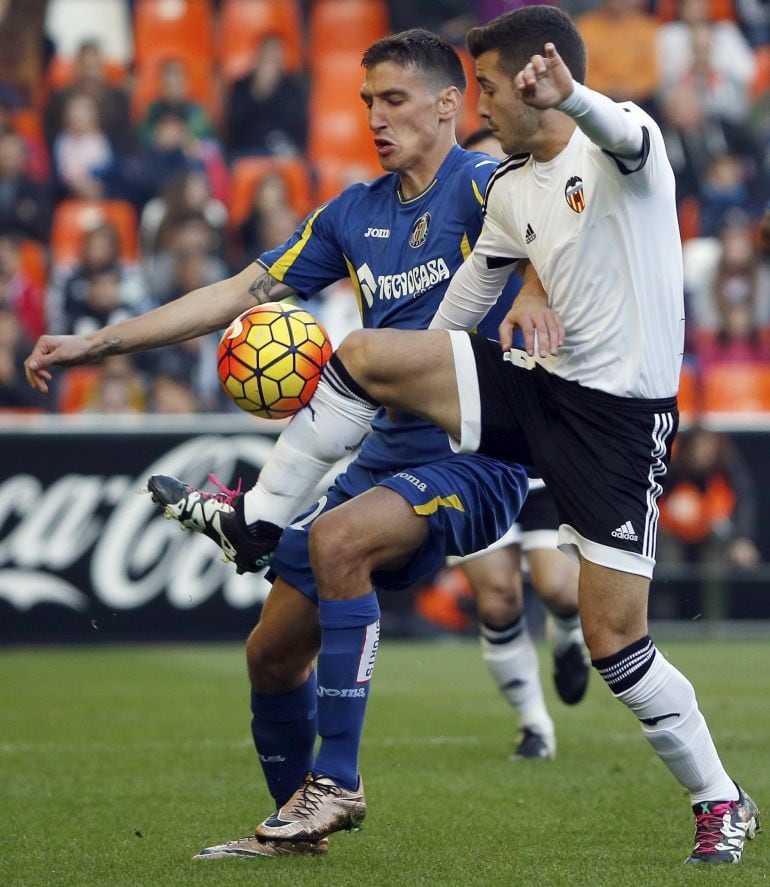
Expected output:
{"points": [[437, 502]]}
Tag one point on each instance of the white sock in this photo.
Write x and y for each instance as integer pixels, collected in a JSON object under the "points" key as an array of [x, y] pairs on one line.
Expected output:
{"points": [[331, 426], [664, 701], [563, 631], [512, 661]]}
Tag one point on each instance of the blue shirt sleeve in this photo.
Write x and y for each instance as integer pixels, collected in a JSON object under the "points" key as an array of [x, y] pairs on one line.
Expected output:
{"points": [[313, 257]]}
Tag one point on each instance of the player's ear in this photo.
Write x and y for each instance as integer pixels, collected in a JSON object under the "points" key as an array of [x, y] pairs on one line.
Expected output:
{"points": [[449, 101]]}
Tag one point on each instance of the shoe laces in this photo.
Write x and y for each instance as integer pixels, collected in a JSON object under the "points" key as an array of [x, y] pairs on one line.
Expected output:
{"points": [[708, 826], [312, 794], [225, 495]]}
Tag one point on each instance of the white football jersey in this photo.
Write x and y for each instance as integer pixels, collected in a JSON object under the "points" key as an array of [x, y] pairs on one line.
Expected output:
{"points": [[602, 234]]}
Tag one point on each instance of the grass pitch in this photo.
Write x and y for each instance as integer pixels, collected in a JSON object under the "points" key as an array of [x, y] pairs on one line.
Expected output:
{"points": [[117, 764]]}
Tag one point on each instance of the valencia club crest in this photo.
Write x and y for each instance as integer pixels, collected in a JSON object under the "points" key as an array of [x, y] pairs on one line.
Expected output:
{"points": [[573, 194]]}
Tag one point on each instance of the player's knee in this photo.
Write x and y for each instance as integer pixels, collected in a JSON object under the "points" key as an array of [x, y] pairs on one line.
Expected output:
{"points": [[335, 551], [273, 665], [611, 632], [499, 603], [365, 355]]}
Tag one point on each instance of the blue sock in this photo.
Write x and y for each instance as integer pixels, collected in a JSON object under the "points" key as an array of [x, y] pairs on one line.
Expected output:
{"points": [[350, 632], [284, 728]]}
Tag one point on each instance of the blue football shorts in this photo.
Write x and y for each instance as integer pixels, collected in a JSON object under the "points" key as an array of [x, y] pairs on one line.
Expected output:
{"points": [[469, 501]]}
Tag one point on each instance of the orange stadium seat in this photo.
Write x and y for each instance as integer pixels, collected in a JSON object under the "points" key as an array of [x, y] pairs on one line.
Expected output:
{"points": [[338, 127], [28, 123], [345, 26], [333, 176], [34, 262], [736, 388], [688, 397], [249, 171], [74, 218], [243, 24], [668, 10], [689, 218], [77, 388], [183, 28]]}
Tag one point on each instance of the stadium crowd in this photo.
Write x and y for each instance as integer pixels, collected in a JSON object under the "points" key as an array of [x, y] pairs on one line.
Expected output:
{"points": [[148, 147]]}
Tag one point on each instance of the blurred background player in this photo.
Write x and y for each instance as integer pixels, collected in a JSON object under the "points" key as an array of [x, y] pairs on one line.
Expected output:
{"points": [[496, 577]]}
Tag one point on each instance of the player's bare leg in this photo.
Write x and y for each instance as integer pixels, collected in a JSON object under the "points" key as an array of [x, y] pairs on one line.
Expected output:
{"points": [[507, 647], [613, 608], [406, 369], [555, 578]]}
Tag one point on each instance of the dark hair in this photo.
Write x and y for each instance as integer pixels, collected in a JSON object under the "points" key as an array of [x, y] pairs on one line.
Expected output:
{"points": [[476, 137], [423, 50], [520, 34]]}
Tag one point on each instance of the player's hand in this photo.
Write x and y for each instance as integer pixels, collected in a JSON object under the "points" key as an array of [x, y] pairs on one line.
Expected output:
{"points": [[545, 81], [54, 351], [533, 317]]}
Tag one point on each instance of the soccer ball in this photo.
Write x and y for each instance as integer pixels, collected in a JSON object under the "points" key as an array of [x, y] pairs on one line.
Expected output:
{"points": [[270, 359]]}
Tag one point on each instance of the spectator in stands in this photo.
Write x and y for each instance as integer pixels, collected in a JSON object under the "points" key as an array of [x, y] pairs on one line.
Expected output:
{"points": [[267, 108], [739, 302], [24, 50], [707, 514], [112, 102], [36, 163], [102, 304], [13, 347], [17, 293], [171, 394], [186, 193], [713, 55], [84, 162], [175, 95], [118, 389], [69, 287], [190, 235], [173, 151], [621, 42], [25, 206], [271, 220], [694, 137], [723, 191]]}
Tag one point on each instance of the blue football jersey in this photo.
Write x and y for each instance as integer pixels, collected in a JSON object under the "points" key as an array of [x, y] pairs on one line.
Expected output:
{"points": [[400, 256]]}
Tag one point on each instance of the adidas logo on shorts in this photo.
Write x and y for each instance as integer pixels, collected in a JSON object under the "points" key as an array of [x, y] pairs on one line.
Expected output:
{"points": [[625, 532]]}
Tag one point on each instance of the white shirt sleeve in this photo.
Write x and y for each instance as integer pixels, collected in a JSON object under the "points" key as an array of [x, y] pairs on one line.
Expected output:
{"points": [[471, 293], [605, 122]]}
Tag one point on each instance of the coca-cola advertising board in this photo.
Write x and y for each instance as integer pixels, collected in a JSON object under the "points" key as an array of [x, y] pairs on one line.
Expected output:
{"points": [[84, 552]]}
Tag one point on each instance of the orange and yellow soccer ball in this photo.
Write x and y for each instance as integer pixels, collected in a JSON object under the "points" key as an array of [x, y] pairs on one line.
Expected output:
{"points": [[270, 359]]}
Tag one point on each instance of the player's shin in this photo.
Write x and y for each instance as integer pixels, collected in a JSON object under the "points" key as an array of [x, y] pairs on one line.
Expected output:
{"points": [[350, 631], [512, 661], [329, 428], [664, 702], [284, 730]]}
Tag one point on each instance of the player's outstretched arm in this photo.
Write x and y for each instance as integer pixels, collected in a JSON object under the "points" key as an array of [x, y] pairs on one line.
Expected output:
{"points": [[195, 314]]}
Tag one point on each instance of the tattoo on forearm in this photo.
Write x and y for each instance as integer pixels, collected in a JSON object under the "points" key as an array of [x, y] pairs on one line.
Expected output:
{"points": [[263, 287], [108, 347]]}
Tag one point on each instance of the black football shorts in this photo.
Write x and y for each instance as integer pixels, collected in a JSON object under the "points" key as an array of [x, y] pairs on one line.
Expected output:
{"points": [[603, 458]]}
